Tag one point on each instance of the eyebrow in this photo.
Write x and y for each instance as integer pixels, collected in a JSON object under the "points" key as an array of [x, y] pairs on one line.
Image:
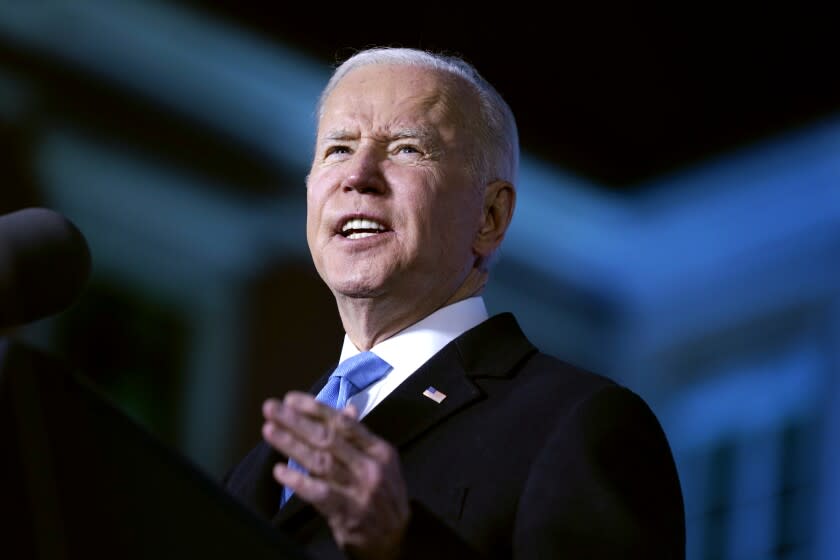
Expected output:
{"points": [[422, 133], [340, 134], [425, 134]]}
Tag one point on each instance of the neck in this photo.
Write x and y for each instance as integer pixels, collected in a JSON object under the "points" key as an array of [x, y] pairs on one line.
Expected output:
{"points": [[368, 321]]}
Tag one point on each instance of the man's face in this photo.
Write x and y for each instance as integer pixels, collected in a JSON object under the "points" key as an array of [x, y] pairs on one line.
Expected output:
{"points": [[392, 209]]}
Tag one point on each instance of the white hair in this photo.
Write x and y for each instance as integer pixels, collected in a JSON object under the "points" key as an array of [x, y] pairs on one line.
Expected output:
{"points": [[495, 154]]}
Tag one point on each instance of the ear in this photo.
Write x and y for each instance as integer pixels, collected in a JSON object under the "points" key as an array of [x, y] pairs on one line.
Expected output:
{"points": [[499, 201]]}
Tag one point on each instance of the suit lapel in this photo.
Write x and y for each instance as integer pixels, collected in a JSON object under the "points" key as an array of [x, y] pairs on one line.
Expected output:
{"points": [[492, 349], [406, 413]]}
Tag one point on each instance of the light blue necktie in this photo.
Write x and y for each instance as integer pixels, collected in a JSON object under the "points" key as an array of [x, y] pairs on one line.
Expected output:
{"points": [[351, 376]]}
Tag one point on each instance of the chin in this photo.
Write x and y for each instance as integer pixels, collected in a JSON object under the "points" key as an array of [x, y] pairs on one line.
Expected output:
{"points": [[356, 288]]}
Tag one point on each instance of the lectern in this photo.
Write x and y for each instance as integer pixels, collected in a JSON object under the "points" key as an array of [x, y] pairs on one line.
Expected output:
{"points": [[80, 479]]}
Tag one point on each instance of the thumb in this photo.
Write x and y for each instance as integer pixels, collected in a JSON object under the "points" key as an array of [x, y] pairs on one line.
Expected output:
{"points": [[350, 411]]}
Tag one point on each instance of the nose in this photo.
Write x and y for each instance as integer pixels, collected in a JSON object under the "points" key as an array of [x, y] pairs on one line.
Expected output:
{"points": [[364, 172]]}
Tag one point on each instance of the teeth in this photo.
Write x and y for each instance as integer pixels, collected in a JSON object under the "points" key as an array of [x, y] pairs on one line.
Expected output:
{"points": [[360, 235], [358, 223]]}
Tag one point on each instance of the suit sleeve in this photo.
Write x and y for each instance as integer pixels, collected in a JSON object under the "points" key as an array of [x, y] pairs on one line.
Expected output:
{"points": [[603, 486]]}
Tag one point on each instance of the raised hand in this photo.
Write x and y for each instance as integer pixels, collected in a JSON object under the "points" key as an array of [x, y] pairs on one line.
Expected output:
{"points": [[353, 477]]}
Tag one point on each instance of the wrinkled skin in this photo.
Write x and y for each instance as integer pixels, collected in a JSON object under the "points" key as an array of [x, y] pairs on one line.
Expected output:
{"points": [[392, 148]]}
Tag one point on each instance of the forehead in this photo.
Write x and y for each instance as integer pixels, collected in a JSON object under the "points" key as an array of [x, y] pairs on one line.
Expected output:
{"points": [[383, 97]]}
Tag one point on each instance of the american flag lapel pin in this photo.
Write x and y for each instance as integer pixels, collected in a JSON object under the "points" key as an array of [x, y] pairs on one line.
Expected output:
{"points": [[434, 394]]}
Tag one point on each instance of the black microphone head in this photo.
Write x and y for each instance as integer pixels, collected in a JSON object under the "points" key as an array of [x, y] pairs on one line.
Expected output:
{"points": [[44, 264]]}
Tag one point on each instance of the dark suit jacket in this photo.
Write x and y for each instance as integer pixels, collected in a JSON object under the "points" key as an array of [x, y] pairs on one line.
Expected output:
{"points": [[527, 457]]}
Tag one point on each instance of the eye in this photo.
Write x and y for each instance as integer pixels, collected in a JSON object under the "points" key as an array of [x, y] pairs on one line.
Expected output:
{"points": [[336, 149], [407, 149]]}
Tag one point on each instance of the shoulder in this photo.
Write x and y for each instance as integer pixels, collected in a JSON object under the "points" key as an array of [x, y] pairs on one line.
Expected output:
{"points": [[498, 356], [594, 413], [515, 376], [620, 479]]}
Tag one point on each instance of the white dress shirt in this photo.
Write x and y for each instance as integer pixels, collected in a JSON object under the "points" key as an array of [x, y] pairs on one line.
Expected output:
{"points": [[412, 347]]}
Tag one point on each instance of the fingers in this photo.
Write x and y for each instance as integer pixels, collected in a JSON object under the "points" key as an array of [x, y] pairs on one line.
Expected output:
{"points": [[322, 462], [316, 422], [324, 441], [377, 499], [307, 404], [311, 489], [353, 477], [351, 411], [309, 428], [335, 502], [327, 443]]}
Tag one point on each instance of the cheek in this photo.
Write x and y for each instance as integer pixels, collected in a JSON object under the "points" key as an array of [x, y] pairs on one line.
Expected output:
{"points": [[446, 229], [314, 222], [311, 217], [315, 198], [457, 213]]}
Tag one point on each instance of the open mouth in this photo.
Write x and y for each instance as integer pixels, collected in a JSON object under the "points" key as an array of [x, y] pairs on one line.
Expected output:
{"points": [[359, 228]]}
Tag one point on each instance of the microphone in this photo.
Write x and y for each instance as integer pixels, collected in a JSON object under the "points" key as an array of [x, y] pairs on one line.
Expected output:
{"points": [[44, 264]]}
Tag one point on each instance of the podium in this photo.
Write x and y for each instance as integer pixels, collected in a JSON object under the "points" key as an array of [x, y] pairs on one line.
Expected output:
{"points": [[80, 479]]}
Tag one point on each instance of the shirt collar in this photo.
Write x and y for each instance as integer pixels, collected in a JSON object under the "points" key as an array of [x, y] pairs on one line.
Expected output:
{"points": [[413, 346]]}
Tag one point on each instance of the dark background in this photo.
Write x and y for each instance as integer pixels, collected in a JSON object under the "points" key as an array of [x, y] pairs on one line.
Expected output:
{"points": [[619, 93], [677, 224]]}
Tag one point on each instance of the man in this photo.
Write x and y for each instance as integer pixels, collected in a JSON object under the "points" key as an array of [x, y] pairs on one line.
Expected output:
{"points": [[473, 444]]}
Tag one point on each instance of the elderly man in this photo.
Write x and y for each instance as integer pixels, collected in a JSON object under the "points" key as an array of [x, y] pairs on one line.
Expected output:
{"points": [[460, 439]]}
